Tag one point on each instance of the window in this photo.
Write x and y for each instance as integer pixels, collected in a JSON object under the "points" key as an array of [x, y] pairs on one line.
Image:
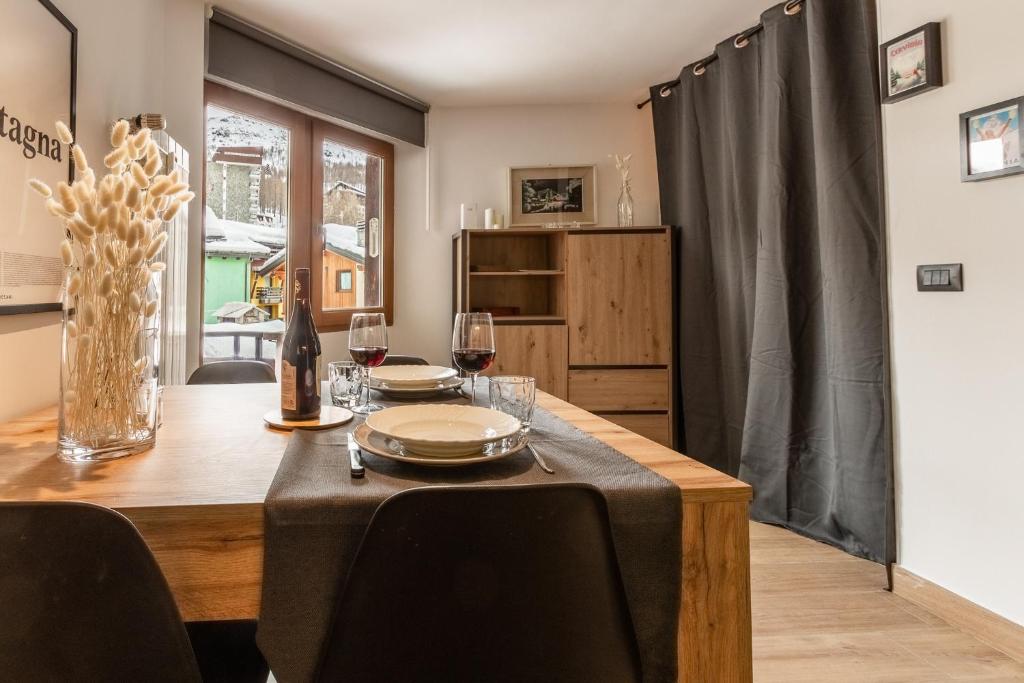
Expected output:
{"points": [[344, 281], [284, 190]]}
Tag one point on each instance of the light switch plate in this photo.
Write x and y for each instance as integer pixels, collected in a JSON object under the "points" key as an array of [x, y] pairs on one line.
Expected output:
{"points": [[940, 277]]}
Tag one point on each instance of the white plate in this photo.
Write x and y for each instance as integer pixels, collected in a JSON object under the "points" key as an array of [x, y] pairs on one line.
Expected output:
{"points": [[378, 444], [443, 430], [415, 392], [412, 375]]}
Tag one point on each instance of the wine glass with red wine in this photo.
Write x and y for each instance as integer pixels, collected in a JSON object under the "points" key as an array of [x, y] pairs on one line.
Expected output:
{"points": [[368, 346], [473, 345]]}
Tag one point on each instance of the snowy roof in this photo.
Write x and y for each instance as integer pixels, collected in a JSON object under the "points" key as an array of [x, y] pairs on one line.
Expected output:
{"points": [[241, 239], [236, 309], [272, 263], [343, 240]]}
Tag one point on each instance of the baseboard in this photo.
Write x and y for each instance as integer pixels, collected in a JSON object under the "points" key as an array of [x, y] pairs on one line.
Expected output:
{"points": [[992, 629]]}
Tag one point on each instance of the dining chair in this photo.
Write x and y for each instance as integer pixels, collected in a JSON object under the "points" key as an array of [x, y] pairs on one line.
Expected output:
{"points": [[489, 583], [233, 372], [83, 599], [404, 360]]}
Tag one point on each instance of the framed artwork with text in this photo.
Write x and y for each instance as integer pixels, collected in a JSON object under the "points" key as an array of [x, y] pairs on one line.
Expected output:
{"points": [[38, 50], [912, 63]]}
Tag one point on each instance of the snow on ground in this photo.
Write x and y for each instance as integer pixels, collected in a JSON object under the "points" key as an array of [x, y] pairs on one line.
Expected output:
{"points": [[224, 347]]}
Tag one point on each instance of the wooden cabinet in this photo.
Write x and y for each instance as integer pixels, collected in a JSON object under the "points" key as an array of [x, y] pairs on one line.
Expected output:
{"points": [[619, 296], [536, 350], [588, 312]]}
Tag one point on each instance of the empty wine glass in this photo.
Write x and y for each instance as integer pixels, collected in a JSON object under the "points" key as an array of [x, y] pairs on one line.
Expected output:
{"points": [[473, 345], [368, 346]]}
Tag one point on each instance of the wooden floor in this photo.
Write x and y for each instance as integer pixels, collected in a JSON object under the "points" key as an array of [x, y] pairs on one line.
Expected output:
{"points": [[821, 615]]}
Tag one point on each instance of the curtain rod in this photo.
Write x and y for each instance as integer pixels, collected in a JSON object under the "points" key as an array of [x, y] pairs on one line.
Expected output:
{"points": [[741, 40]]}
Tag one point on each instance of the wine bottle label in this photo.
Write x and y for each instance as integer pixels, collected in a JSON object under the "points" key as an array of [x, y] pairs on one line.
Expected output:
{"points": [[288, 399]]}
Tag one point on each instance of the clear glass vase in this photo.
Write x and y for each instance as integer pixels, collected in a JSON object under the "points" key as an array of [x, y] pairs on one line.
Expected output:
{"points": [[109, 359], [625, 208]]}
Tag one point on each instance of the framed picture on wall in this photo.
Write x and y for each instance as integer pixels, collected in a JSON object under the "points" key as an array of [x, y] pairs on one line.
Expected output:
{"points": [[38, 47], [541, 195], [990, 141], [912, 63]]}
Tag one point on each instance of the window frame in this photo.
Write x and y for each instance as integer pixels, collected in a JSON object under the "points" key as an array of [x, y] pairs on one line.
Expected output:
{"points": [[339, 288], [306, 237]]}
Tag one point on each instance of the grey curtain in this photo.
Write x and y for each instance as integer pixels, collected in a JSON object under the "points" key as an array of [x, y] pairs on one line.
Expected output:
{"points": [[770, 167]]}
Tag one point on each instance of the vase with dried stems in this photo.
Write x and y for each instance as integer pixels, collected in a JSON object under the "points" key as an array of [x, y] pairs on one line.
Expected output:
{"points": [[110, 342]]}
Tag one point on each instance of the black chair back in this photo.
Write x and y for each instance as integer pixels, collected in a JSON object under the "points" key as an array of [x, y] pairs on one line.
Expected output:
{"points": [[233, 372], [498, 584], [82, 599], [404, 360]]}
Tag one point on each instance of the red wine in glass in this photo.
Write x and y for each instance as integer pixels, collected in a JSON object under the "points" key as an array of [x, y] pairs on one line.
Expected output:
{"points": [[473, 360], [369, 356]]}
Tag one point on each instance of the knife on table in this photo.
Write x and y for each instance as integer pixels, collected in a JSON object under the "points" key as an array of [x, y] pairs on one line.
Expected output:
{"points": [[354, 459]]}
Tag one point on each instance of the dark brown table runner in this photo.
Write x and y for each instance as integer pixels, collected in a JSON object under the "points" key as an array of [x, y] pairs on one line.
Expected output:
{"points": [[316, 514]]}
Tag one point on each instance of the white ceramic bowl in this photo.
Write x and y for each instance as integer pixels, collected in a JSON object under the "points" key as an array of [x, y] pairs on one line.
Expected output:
{"points": [[442, 430], [412, 375]]}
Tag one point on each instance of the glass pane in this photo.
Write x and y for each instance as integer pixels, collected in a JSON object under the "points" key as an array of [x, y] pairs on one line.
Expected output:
{"points": [[353, 228], [245, 260]]}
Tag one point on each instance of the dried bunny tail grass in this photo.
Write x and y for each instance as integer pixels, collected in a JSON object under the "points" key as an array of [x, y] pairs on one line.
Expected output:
{"points": [[89, 178], [106, 284], [74, 284], [160, 186], [119, 133], [88, 314], [144, 136], [134, 302], [116, 157], [152, 164], [171, 211], [156, 245], [40, 187], [134, 198], [55, 209], [106, 195], [150, 309], [72, 328], [81, 162], [139, 175], [85, 341], [67, 256], [176, 188], [89, 261], [135, 256], [121, 228], [80, 229], [64, 133], [110, 256], [186, 197], [119, 190], [66, 197], [158, 267], [91, 215]]}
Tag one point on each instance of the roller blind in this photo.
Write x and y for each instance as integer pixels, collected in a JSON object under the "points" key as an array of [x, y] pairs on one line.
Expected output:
{"points": [[242, 54]]}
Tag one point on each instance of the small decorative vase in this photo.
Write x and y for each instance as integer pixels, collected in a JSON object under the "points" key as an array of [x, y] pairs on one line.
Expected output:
{"points": [[109, 395], [625, 207]]}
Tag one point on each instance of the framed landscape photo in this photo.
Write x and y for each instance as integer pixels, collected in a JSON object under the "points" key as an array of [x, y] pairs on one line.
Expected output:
{"points": [[38, 48], [540, 195], [990, 141], [912, 63]]}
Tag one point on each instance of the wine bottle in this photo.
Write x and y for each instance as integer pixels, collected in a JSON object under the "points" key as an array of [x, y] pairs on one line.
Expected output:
{"points": [[300, 357]]}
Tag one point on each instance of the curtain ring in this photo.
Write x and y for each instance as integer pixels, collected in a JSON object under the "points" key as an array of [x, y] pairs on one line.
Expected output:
{"points": [[699, 69], [741, 42], [793, 7], [665, 91]]}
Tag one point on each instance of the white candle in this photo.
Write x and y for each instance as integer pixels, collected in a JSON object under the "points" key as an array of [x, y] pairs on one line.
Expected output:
{"points": [[488, 218]]}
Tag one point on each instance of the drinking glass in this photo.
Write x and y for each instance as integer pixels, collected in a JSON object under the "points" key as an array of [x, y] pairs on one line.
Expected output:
{"points": [[368, 346], [345, 382], [514, 395], [473, 345]]}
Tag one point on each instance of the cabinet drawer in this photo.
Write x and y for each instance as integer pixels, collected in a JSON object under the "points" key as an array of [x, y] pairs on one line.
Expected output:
{"points": [[619, 389], [654, 427]]}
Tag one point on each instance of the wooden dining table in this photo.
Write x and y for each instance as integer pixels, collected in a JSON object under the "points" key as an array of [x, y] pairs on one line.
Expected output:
{"points": [[197, 498]]}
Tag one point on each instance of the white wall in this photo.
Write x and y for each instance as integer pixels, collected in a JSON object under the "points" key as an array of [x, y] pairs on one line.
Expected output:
{"points": [[140, 56], [958, 367], [469, 152]]}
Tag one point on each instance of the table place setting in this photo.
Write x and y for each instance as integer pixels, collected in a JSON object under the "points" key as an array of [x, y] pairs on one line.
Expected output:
{"points": [[413, 427]]}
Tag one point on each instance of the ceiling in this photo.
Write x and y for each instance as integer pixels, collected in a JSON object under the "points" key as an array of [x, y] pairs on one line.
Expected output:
{"points": [[495, 52]]}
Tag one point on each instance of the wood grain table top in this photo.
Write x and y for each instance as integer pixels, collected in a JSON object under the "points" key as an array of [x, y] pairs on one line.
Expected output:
{"points": [[213, 449]]}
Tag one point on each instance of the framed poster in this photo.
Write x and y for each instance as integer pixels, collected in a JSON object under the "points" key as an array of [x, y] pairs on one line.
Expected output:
{"points": [[541, 195], [38, 48], [912, 63], [990, 141]]}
